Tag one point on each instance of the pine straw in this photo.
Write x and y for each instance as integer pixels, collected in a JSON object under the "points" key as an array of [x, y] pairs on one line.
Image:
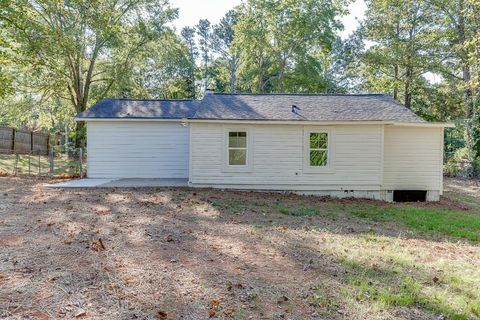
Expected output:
{"points": [[171, 253]]}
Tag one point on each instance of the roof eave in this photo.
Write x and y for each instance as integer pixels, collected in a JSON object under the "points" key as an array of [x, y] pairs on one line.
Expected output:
{"points": [[127, 119], [271, 121], [426, 124]]}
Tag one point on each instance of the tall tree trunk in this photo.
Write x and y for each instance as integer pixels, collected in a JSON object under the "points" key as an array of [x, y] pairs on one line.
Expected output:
{"points": [[395, 82], [260, 75], [468, 97], [396, 67], [281, 75], [233, 74], [80, 134], [408, 87]]}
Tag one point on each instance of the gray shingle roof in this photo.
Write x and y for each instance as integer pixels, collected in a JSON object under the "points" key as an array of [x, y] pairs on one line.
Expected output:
{"points": [[138, 108], [216, 106], [313, 107]]}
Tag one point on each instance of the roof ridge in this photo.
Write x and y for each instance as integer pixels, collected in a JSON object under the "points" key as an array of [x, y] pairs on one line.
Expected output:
{"points": [[302, 94], [141, 99]]}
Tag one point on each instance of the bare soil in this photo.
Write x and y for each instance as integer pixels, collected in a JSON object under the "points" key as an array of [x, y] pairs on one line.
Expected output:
{"points": [[197, 254]]}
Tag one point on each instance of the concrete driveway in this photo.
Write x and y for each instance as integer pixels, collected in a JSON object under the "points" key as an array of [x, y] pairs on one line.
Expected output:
{"points": [[120, 183]]}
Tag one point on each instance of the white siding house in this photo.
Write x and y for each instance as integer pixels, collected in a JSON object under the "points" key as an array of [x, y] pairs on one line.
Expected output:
{"points": [[137, 149], [344, 146]]}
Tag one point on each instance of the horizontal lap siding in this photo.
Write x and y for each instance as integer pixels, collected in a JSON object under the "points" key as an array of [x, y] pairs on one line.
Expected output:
{"points": [[279, 155], [413, 158], [137, 150]]}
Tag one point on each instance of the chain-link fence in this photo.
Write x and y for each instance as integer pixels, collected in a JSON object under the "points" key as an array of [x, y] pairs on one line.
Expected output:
{"points": [[25, 152], [58, 162]]}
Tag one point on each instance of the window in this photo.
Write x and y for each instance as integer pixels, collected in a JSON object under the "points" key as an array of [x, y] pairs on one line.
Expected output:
{"points": [[318, 149], [237, 148]]}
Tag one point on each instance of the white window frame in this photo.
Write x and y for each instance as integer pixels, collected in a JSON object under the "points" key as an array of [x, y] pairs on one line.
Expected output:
{"points": [[225, 156], [307, 168]]}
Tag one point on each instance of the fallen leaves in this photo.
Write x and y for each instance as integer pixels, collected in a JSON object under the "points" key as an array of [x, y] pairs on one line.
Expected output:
{"points": [[211, 313], [80, 313], [229, 312], [162, 315], [38, 315], [102, 210], [97, 245], [282, 299], [213, 309]]}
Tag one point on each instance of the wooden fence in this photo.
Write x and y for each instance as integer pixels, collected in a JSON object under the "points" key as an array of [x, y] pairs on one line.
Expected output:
{"points": [[15, 141]]}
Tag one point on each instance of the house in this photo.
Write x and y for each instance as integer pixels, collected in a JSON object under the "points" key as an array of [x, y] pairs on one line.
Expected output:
{"points": [[362, 145]]}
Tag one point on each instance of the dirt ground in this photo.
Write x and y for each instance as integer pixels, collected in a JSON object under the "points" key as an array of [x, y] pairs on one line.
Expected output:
{"points": [[199, 254], [469, 187]]}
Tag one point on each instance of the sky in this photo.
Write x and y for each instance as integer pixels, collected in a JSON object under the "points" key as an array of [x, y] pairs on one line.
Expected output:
{"points": [[190, 11]]}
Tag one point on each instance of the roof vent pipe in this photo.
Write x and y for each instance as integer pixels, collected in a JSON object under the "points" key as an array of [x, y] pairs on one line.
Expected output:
{"points": [[209, 91], [295, 108]]}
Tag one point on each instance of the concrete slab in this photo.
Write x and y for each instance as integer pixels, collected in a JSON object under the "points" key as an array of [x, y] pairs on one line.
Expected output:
{"points": [[120, 183], [138, 182], [80, 183]]}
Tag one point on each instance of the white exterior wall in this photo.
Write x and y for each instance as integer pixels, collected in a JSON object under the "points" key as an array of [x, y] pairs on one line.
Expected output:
{"points": [[137, 149], [277, 155], [413, 159]]}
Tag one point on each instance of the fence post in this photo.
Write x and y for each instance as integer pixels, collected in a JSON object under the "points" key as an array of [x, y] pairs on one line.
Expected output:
{"points": [[50, 160], [13, 140], [16, 163], [80, 154]]}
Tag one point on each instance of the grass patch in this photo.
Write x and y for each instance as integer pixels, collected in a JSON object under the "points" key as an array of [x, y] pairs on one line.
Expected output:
{"points": [[321, 300], [299, 212], [387, 291], [460, 224], [405, 294]]}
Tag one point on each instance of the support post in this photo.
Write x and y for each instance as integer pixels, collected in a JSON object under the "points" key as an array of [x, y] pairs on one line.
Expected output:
{"points": [[13, 141], [80, 155], [16, 164], [50, 160]]}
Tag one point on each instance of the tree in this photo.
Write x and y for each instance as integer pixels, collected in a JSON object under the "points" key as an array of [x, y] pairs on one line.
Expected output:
{"points": [[458, 21], [188, 35], [275, 36], [222, 43], [347, 61], [404, 45], [204, 32], [65, 42], [159, 71], [5, 55]]}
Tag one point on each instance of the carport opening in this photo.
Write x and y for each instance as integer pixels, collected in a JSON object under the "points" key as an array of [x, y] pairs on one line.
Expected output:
{"points": [[409, 196]]}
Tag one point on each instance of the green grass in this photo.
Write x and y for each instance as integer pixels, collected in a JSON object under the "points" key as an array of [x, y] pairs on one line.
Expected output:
{"points": [[61, 165], [454, 223], [302, 211], [391, 287]]}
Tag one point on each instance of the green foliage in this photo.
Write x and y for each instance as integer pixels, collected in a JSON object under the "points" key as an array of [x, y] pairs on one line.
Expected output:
{"points": [[277, 38], [459, 224], [77, 51]]}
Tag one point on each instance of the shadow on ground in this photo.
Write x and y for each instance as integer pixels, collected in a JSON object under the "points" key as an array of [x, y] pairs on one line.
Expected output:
{"points": [[198, 254]]}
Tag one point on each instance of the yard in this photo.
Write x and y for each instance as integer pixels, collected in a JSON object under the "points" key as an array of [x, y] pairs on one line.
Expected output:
{"points": [[195, 254]]}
